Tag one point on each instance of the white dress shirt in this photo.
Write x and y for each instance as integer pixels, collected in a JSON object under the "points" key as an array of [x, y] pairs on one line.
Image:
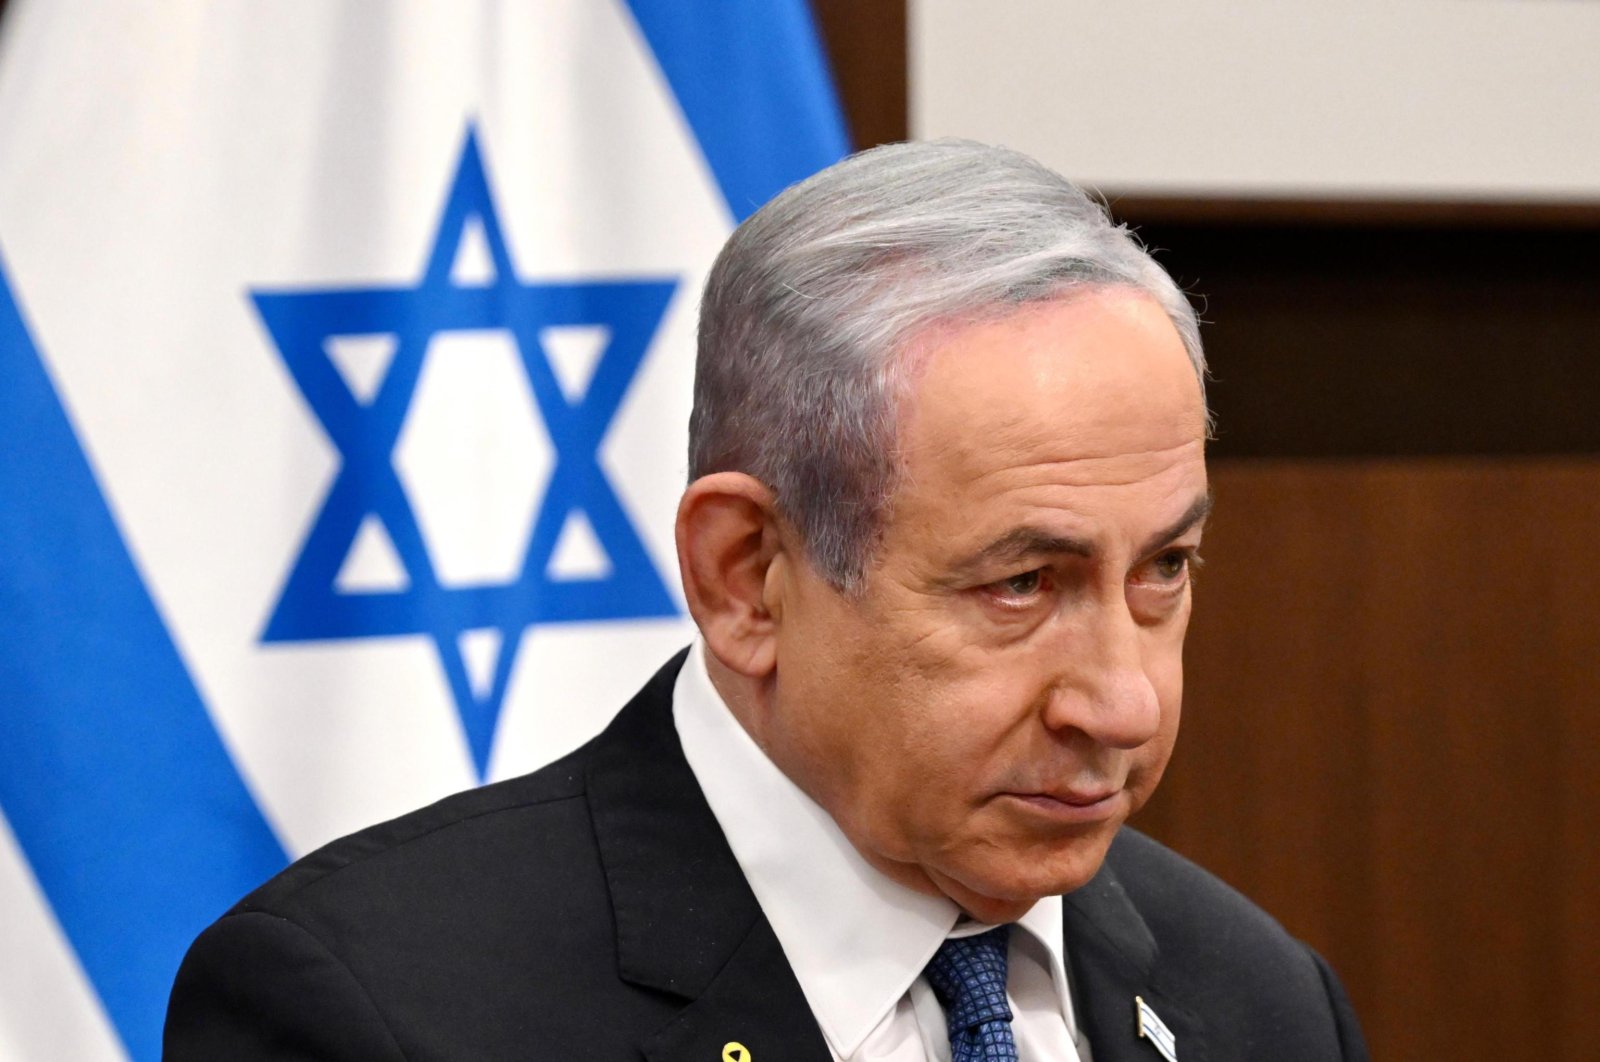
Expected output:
{"points": [[856, 940]]}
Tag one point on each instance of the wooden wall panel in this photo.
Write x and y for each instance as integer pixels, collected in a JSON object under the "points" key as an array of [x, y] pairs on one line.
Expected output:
{"points": [[1392, 738]]}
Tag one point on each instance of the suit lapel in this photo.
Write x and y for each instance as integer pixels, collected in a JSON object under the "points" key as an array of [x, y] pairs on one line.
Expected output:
{"points": [[1114, 961], [755, 1001], [686, 920]]}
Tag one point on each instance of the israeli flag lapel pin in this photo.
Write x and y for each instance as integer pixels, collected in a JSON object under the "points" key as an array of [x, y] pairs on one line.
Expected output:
{"points": [[1152, 1028]]}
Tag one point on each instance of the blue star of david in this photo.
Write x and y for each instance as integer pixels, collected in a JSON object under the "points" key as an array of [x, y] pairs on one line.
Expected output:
{"points": [[312, 607]]}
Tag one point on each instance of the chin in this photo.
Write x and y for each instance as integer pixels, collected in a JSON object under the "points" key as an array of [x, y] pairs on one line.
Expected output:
{"points": [[1064, 875], [1002, 890], [994, 912]]}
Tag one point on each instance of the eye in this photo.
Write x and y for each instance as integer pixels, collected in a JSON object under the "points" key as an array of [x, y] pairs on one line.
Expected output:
{"points": [[1020, 592], [1168, 570], [1171, 565], [1025, 585]]}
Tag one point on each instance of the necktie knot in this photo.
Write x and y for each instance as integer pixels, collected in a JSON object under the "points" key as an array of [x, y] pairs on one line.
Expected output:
{"points": [[968, 975]]}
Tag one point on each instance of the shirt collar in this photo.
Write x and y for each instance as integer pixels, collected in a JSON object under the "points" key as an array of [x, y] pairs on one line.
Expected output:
{"points": [[854, 938]]}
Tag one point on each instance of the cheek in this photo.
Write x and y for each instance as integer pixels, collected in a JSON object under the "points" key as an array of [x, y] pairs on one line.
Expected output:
{"points": [[1163, 663], [1167, 678], [1150, 760], [845, 712], [923, 755], [901, 723], [964, 730]]}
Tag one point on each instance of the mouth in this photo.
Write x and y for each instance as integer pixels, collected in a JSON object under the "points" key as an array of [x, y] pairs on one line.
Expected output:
{"points": [[1073, 806]]}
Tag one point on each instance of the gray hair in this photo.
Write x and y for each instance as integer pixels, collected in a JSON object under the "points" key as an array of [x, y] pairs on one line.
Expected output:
{"points": [[814, 299]]}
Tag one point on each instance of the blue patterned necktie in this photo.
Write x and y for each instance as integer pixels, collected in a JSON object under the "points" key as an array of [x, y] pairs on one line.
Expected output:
{"points": [[968, 974]]}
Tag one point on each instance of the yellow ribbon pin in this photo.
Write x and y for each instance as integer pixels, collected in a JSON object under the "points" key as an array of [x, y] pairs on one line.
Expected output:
{"points": [[734, 1051]]}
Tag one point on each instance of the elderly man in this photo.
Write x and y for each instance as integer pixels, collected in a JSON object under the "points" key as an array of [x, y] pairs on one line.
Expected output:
{"points": [[947, 488]]}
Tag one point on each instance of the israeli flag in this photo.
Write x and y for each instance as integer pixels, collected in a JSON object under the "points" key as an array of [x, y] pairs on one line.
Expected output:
{"points": [[345, 353], [1152, 1028]]}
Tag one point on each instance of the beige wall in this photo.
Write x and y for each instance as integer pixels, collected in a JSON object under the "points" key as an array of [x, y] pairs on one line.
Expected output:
{"points": [[1496, 99]]}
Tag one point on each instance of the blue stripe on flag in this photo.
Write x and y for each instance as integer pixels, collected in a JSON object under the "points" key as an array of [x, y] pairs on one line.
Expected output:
{"points": [[122, 797], [755, 88]]}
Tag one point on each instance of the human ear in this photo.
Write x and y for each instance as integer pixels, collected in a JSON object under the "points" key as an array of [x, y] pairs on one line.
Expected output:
{"points": [[730, 552]]}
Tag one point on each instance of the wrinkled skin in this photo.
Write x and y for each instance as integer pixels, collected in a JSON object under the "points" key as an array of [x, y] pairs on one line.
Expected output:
{"points": [[1005, 690]]}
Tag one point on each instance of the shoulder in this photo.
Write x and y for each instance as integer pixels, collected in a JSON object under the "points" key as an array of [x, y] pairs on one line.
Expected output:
{"points": [[1185, 904], [1201, 927], [529, 831], [1234, 966], [464, 923], [477, 828]]}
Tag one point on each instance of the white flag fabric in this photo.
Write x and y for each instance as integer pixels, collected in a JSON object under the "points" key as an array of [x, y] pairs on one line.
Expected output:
{"points": [[345, 354]]}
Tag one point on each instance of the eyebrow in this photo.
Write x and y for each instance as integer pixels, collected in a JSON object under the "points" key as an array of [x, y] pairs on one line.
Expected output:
{"points": [[1195, 515], [1021, 543]]}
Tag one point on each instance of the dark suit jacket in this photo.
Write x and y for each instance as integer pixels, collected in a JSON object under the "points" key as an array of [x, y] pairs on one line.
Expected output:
{"points": [[593, 910]]}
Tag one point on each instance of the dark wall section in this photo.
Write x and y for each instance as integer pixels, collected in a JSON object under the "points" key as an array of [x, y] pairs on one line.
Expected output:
{"points": [[1399, 340]]}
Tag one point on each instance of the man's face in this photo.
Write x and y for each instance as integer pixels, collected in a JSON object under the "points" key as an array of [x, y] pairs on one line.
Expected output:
{"points": [[1005, 692]]}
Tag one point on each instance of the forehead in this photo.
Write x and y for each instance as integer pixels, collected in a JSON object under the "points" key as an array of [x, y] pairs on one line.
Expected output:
{"points": [[1094, 390], [1102, 370]]}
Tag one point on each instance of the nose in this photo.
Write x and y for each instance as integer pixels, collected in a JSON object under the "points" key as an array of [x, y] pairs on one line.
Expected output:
{"points": [[1103, 689]]}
